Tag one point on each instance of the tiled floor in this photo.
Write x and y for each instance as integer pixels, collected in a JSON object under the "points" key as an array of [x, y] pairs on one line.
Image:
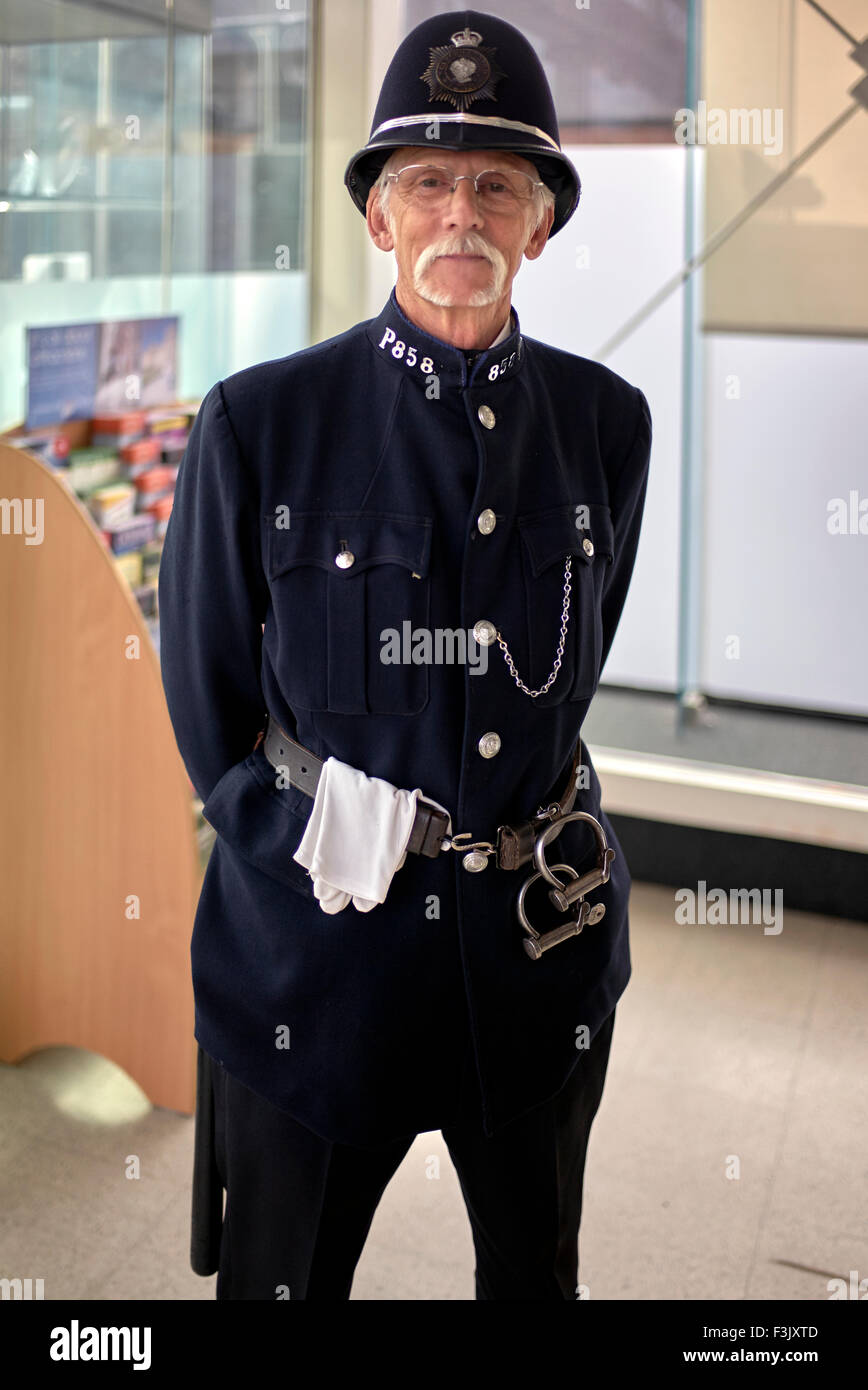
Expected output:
{"points": [[733, 1052]]}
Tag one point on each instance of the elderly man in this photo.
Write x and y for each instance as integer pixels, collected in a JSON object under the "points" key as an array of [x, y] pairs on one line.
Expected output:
{"points": [[392, 576]]}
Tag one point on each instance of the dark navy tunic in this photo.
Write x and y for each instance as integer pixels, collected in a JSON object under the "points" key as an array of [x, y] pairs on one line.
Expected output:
{"points": [[381, 442]]}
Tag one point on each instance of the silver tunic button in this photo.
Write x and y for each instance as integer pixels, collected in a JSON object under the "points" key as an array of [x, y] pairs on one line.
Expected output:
{"points": [[345, 559], [486, 415], [474, 862], [484, 632], [588, 546], [486, 521], [489, 745]]}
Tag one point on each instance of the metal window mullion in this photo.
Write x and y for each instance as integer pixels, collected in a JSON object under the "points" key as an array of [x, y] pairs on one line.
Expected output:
{"points": [[100, 267], [691, 580], [167, 215]]}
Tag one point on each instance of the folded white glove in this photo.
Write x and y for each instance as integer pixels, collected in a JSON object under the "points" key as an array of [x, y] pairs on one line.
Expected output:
{"points": [[356, 836]]}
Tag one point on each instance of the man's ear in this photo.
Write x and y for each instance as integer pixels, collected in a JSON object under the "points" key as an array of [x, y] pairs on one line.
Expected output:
{"points": [[378, 227], [539, 238]]}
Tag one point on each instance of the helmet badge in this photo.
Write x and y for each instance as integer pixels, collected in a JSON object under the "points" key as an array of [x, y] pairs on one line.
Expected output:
{"points": [[464, 73]]}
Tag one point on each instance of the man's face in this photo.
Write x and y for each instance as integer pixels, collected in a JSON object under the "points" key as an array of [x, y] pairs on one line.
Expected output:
{"points": [[457, 255]]}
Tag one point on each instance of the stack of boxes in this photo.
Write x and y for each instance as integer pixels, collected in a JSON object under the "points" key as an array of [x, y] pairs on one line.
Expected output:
{"points": [[126, 479], [131, 509]]}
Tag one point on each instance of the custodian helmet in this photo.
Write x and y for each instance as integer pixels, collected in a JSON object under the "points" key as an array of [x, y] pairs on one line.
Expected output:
{"points": [[463, 81]]}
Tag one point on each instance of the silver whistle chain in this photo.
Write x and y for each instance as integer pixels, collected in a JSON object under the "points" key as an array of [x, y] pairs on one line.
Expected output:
{"points": [[565, 618]]}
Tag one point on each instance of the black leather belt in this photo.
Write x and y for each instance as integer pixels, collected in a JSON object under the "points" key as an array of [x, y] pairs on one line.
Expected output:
{"points": [[516, 844]]}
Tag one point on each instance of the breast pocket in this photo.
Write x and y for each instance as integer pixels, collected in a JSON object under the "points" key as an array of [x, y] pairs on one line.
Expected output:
{"points": [[344, 586], [548, 538]]}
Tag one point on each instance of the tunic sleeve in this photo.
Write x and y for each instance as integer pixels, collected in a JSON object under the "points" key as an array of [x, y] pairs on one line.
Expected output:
{"points": [[627, 503], [213, 598]]}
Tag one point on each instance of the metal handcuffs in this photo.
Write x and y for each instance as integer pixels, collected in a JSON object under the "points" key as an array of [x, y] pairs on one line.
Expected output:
{"points": [[565, 896]]}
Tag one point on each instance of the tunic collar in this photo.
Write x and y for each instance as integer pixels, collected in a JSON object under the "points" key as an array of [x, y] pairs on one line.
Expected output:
{"points": [[419, 355], [504, 333]]}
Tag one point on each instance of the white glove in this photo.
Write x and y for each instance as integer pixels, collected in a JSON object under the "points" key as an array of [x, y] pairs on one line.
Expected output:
{"points": [[356, 836]]}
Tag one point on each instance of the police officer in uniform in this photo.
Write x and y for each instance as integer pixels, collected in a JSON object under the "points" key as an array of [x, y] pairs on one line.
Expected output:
{"points": [[414, 915]]}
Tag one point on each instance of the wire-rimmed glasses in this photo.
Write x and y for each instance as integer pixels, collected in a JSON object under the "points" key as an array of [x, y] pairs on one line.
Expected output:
{"points": [[430, 185]]}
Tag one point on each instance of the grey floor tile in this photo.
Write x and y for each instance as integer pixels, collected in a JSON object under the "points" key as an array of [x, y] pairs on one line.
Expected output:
{"points": [[156, 1264], [69, 1220], [662, 1216], [798, 1257]]}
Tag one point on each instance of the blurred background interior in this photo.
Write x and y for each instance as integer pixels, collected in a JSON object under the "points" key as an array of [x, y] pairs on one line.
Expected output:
{"points": [[171, 185]]}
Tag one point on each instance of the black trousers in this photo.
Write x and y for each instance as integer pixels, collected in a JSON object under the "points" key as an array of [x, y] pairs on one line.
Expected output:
{"points": [[299, 1208]]}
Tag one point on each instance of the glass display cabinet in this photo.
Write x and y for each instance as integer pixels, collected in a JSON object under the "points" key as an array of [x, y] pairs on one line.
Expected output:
{"points": [[152, 160]]}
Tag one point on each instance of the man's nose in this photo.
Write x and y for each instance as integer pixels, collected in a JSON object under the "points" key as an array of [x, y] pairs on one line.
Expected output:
{"points": [[462, 208]]}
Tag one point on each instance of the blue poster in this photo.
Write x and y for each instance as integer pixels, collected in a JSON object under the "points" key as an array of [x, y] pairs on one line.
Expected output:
{"points": [[78, 370], [61, 373]]}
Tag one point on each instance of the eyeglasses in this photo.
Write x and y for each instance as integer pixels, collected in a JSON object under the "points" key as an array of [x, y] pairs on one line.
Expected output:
{"points": [[430, 186]]}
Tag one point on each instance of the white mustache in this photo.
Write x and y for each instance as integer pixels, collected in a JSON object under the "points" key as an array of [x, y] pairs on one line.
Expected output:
{"points": [[463, 246]]}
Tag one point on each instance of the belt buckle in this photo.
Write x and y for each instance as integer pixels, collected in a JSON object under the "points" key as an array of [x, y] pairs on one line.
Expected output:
{"points": [[477, 852], [567, 897]]}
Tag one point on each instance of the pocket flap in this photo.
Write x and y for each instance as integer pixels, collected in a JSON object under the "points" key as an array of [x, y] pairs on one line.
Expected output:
{"points": [[553, 534], [317, 538]]}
